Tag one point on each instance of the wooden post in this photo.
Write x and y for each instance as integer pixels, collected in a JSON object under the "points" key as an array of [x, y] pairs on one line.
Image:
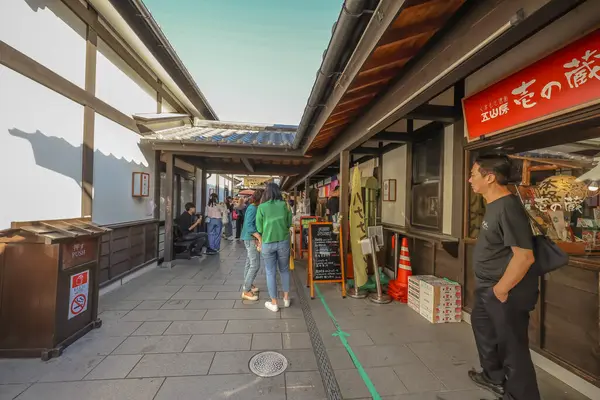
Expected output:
{"points": [[295, 200], [89, 116], [378, 215], [307, 197], [156, 214], [168, 252], [177, 196], [204, 191], [344, 182]]}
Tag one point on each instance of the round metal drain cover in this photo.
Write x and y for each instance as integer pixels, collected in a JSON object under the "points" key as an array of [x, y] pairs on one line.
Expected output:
{"points": [[268, 364]]}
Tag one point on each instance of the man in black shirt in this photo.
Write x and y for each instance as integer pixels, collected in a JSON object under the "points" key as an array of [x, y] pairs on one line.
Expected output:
{"points": [[188, 222], [506, 290], [333, 204]]}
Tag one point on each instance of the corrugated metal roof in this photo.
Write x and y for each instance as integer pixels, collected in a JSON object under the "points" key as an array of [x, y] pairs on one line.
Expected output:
{"points": [[223, 133]]}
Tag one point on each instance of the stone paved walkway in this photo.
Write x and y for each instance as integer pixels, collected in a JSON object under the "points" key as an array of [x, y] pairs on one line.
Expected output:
{"points": [[185, 334]]}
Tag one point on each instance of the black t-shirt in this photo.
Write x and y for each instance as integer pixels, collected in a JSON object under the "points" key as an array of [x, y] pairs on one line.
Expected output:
{"points": [[184, 221], [504, 225]]}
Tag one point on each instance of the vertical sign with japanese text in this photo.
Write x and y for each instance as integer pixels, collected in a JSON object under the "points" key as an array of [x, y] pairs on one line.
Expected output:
{"points": [[568, 78]]}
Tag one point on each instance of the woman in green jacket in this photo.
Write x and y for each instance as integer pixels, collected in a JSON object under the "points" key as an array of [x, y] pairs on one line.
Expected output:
{"points": [[273, 222], [251, 239]]}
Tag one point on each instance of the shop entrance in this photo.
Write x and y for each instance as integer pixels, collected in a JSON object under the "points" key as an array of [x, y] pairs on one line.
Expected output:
{"points": [[556, 174]]}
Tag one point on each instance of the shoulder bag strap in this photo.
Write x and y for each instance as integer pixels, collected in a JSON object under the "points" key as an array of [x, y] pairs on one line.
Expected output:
{"points": [[532, 220]]}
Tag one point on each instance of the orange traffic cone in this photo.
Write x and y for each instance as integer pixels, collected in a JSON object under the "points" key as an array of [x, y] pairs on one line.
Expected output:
{"points": [[404, 268]]}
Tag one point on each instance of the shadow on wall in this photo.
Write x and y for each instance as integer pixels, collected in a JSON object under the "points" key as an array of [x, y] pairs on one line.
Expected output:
{"points": [[58, 155], [60, 11]]}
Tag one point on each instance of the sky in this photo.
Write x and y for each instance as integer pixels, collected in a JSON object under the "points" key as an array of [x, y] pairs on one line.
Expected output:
{"points": [[254, 60]]}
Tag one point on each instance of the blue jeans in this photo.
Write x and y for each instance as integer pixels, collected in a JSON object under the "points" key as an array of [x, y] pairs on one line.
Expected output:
{"points": [[252, 264], [214, 233], [276, 255]]}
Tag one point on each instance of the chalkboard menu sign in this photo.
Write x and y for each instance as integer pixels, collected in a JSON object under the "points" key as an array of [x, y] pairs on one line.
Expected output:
{"points": [[325, 256], [304, 224]]}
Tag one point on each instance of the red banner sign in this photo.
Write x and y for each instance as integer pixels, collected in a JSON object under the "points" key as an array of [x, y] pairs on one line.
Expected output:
{"points": [[568, 78]]}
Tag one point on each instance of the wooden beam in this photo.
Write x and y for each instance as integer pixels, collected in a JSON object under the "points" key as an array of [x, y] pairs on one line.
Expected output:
{"points": [[238, 168], [387, 59], [159, 99], [19, 62], [430, 112], [399, 137], [248, 165], [366, 150], [168, 251], [363, 159], [192, 148], [89, 118], [156, 183], [395, 35], [204, 192], [89, 16]]}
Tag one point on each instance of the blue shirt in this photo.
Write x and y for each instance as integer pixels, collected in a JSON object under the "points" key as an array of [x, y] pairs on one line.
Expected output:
{"points": [[249, 223]]}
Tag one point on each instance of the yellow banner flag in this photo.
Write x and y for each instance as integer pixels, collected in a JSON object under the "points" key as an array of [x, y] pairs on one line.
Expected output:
{"points": [[358, 231]]}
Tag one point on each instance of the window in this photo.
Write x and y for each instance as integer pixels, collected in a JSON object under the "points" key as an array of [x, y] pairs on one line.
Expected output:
{"points": [[558, 186], [426, 177]]}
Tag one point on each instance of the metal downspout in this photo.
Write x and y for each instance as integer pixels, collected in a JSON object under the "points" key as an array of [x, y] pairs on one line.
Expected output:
{"points": [[351, 12]]}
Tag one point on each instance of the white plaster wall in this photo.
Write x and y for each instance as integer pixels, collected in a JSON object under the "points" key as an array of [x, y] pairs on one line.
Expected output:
{"points": [[562, 32], [447, 187], [118, 85], [48, 32], [40, 152], [394, 167], [117, 155]]}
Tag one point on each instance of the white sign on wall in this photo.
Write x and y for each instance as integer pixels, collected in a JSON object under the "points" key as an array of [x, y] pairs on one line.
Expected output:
{"points": [[141, 184], [79, 289]]}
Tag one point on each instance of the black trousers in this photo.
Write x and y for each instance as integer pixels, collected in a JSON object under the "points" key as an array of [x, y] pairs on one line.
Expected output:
{"points": [[501, 335], [239, 223], [200, 239]]}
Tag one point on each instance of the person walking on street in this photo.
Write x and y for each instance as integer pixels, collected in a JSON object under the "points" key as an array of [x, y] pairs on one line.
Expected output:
{"points": [[227, 219], [252, 241], [273, 222], [188, 222], [240, 210], [214, 214], [506, 289]]}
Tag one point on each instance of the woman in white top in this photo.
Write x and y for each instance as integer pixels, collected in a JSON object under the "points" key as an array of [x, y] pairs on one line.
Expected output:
{"points": [[214, 214]]}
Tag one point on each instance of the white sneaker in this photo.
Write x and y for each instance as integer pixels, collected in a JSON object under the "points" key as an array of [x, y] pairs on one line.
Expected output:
{"points": [[271, 306], [247, 297], [286, 303]]}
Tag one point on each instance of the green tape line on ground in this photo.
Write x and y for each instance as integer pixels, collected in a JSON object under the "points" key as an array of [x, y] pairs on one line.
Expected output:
{"points": [[342, 336]]}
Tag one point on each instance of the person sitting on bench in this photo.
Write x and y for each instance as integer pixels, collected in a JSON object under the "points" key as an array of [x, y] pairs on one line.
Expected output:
{"points": [[188, 222]]}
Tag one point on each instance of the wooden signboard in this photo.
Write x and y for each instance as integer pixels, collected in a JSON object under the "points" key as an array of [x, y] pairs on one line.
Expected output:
{"points": [[304, 224], [325, 261]]}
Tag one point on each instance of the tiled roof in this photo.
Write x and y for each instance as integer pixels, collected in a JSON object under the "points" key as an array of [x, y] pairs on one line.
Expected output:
{"points": [[230, 133]]}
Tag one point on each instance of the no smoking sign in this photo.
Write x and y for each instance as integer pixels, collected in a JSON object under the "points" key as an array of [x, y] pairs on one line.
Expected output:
{"points": [[78, 293]]}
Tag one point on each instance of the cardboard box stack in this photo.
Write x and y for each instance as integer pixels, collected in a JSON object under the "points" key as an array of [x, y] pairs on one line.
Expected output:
{"points": [[438, 300]]}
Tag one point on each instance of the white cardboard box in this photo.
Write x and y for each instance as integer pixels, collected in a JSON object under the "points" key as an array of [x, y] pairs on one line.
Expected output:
{"points": [[437, 300]]}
